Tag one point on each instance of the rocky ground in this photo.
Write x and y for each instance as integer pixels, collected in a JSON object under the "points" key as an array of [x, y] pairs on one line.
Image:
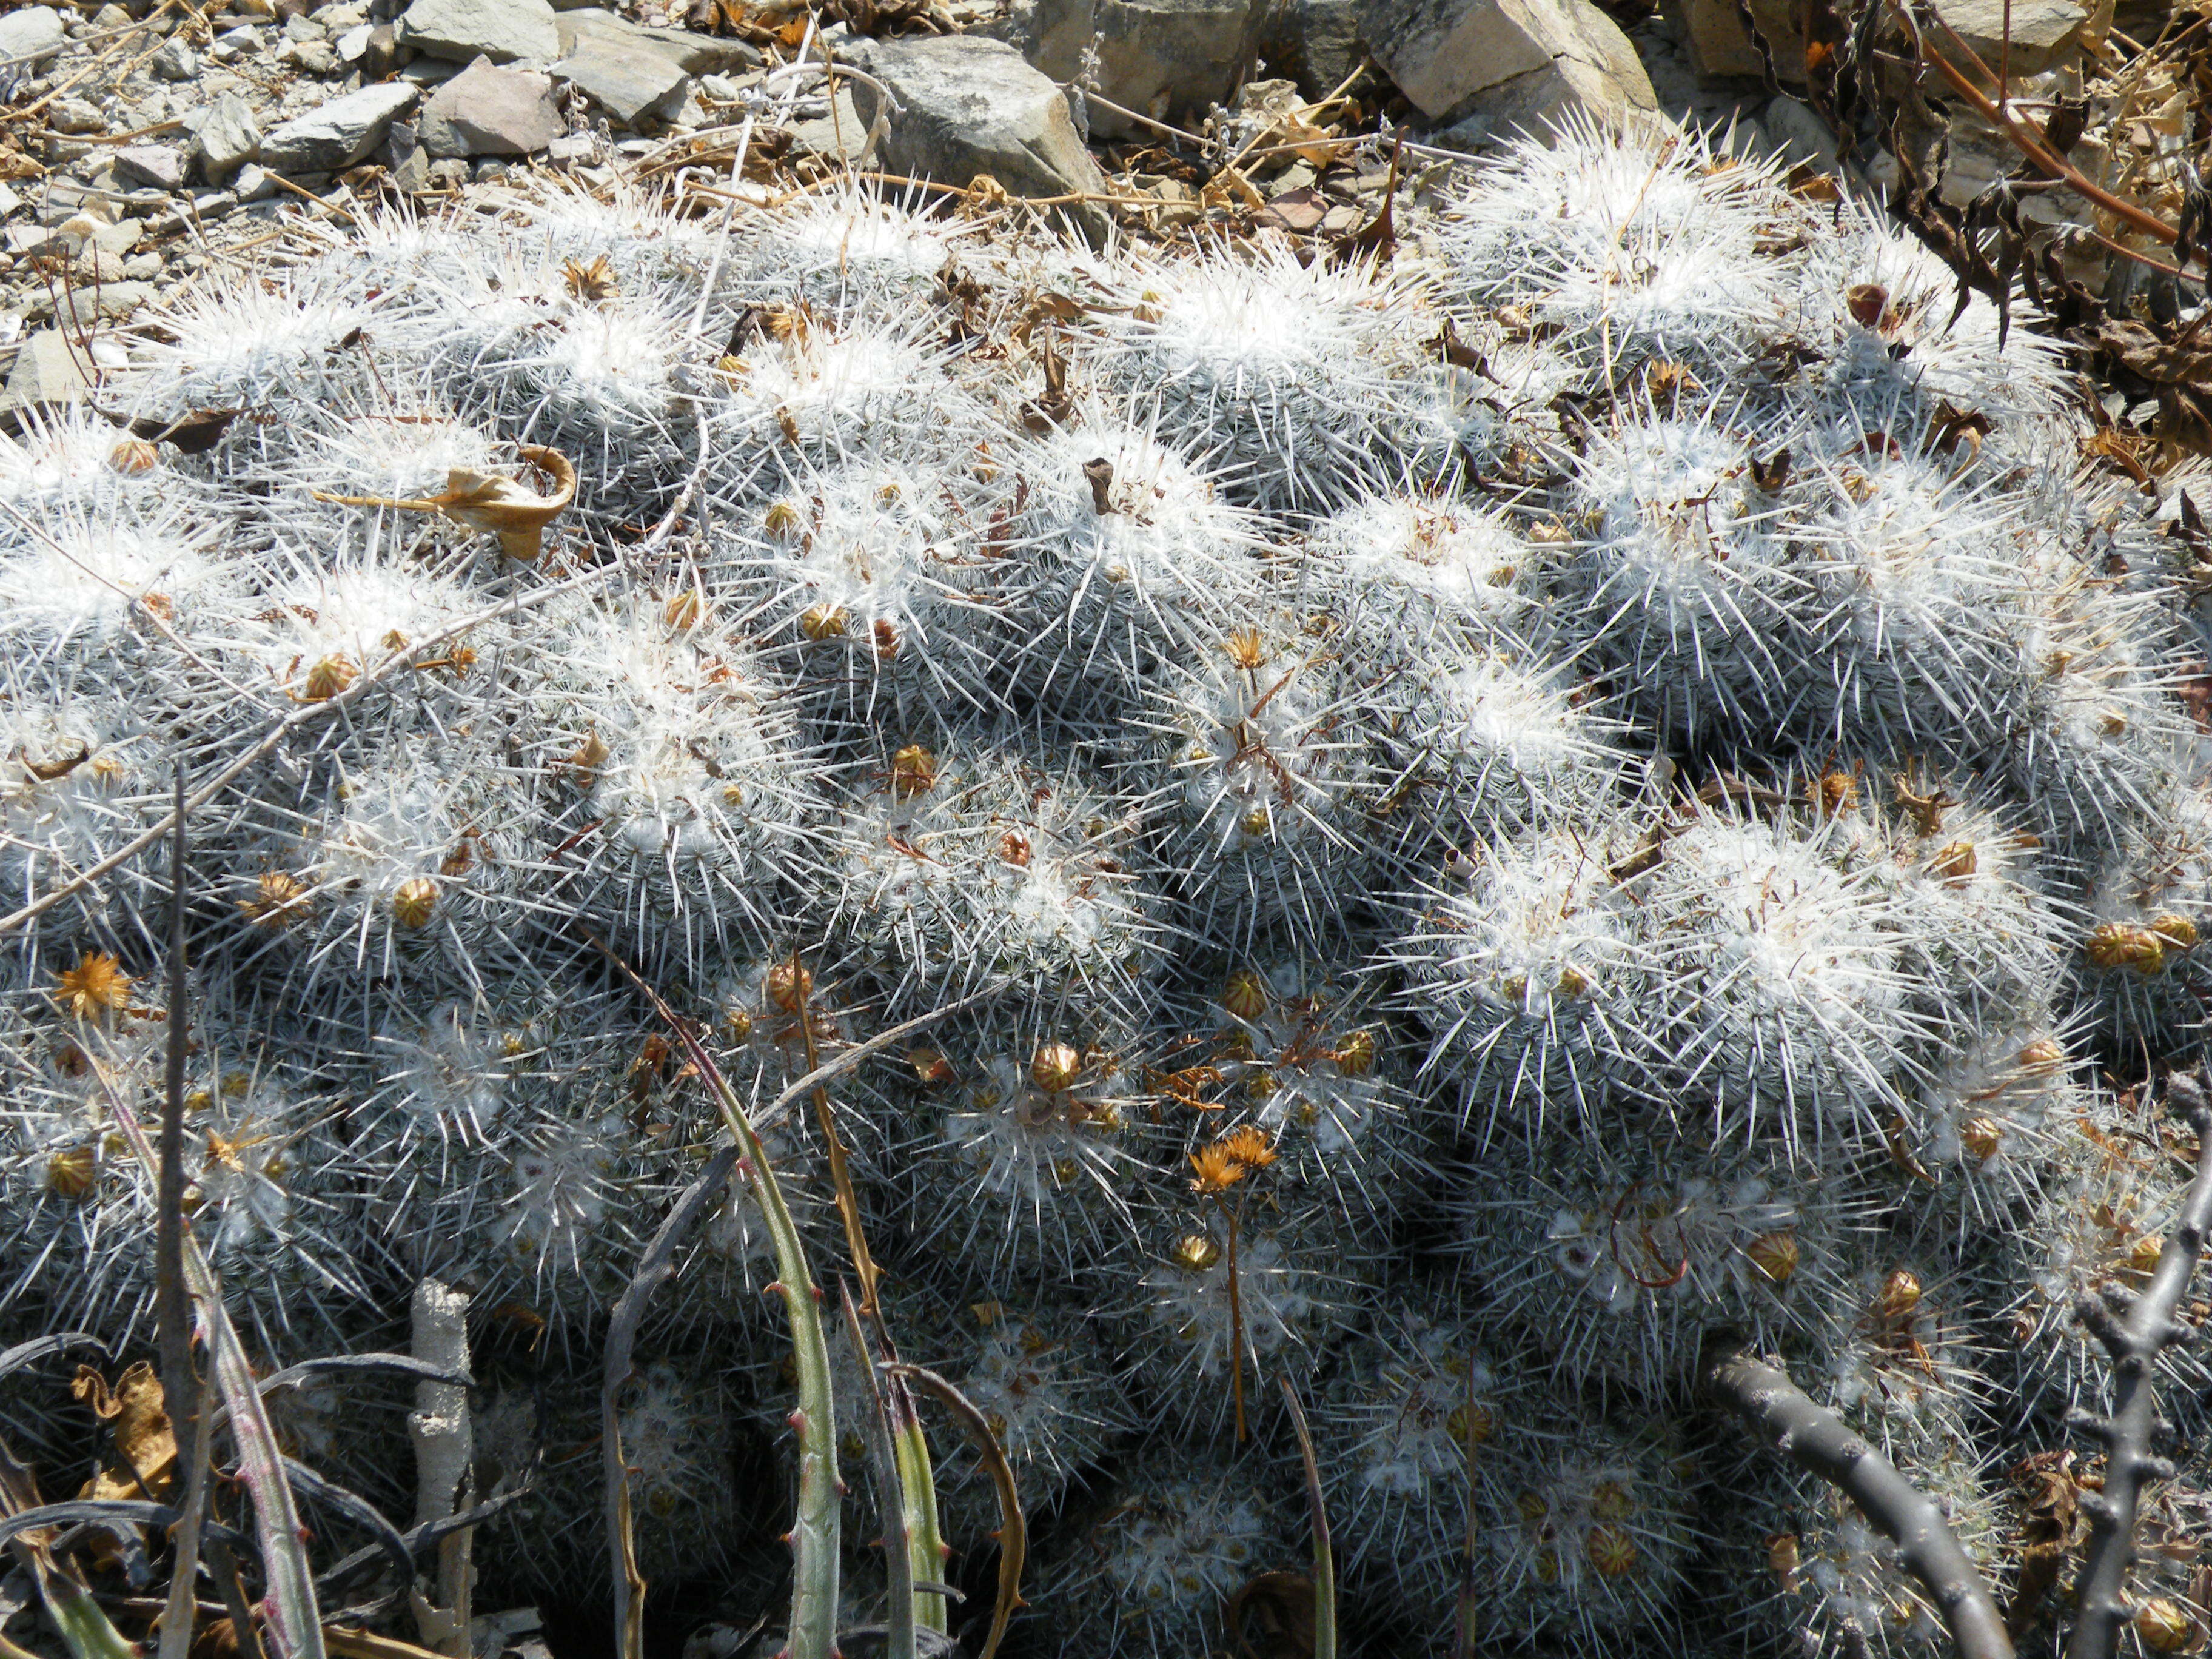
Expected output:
{"points": [[147, 149]]}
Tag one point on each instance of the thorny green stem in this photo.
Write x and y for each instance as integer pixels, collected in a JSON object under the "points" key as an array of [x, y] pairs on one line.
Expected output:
{"points": [[893, 1503], [289, 1612], [2150, 1329], [909, 1446], [815, 1527], [1013, 1534]]}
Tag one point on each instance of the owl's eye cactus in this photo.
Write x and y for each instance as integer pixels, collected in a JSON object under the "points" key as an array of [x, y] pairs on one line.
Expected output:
{"points": [[1586, 1533], [1027, 1151], [1621, 1268], [1185, 1532]]}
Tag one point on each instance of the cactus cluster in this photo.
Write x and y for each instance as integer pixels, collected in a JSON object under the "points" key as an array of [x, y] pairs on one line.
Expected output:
{"points": [[1477, 822]]}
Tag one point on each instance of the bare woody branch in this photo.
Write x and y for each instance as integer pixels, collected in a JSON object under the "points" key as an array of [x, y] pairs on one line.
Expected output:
{"points": [[2135, 1330], [1781, 1414]]}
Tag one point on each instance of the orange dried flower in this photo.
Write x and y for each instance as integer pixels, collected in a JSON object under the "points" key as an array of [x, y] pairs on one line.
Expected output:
{"points": [[97, 985]]}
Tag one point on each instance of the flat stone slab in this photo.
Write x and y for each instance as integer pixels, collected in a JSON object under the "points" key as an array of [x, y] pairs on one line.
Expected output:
{"points": [[339, 134]]}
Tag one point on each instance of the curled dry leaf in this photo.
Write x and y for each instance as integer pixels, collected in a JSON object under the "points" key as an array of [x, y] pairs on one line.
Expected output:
{"points": [[500, 506], [144, 1465], [145, 1443]]}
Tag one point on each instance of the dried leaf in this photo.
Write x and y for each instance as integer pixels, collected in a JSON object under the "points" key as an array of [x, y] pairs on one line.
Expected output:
{"points": [[145, 1443], [507, 507]]}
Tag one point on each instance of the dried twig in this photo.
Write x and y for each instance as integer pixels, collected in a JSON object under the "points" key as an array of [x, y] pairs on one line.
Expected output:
{"points": [[444, 1452], [1816, 1439], [2150, 1328], [1324, 1557]]}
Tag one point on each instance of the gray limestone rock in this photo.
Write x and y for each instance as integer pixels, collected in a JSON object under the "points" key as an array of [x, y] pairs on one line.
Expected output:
{"points": [[628, 83], [1507, 64], [969, 106], [1315, 42], [593, 28], [157, 167], [34, 33], [1169, 60], [225, 137], [176, 60], [75, 116], [505, 31], [49, 369], [339, 133]]}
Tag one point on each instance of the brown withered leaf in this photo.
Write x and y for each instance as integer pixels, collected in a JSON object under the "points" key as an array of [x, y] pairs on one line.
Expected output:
{"points": [[1378, 240], [2122, 451], [47, 771], [590, 282], [1952, 426], [192, 433], [2173, 367], [1045, 309], [500, 506], [145, 1444], [507, 507]]}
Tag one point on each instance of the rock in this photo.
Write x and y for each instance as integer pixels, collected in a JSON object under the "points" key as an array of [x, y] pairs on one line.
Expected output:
{"points": [[49, 369], [1052, 34], [695, 54], [34, 33], [1301, 210], [225, 137], [1315, 42], [1508, 64], [428, 72], [109, 16], [1800, 136], [310, 56], [175, 61], [382, 54], [252, 183], [577, 148], [110, 299], [1180, 206], [339, 133], [353, 45], [2046, 34], [298, 27], [629, 84], [74, 115], [505, 31], [487, 111], [157, 167], [1169, 59], [971, 105], [840, 136], [1713, 36]]}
